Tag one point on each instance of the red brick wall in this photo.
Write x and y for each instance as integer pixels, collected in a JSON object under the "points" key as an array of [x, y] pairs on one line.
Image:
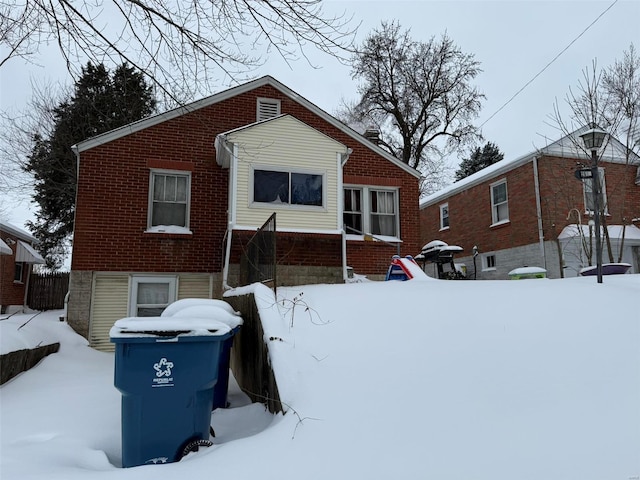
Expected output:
{"points": [[11, 293], [113, 184], [470, 215], [470, 210]]}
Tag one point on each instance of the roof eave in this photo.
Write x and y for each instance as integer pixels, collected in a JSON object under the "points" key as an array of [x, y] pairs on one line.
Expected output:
{"points": [[229, 93]]}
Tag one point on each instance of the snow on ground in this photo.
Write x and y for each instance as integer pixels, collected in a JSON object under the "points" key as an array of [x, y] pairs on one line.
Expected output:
{"points": [[529, 379]]}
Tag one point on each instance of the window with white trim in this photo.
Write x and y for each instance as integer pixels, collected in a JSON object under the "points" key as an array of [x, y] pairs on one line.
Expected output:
{"points": [[444, 216], [499, 202], [18, 272], [352, 213], [151, 295], [169, 197], [489, 262], [587, 188], [267, 108], [288, 188], [371, 210]]}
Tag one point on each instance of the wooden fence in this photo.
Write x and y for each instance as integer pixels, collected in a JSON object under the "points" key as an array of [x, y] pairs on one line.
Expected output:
{"points": [[47, 291]]}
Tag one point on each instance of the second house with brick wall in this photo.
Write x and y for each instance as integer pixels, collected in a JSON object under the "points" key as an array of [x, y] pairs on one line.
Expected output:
{"points": [[532, 211]]}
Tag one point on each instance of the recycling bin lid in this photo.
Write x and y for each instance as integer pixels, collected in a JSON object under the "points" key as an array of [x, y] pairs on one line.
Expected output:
{"points": [[168, 327]]}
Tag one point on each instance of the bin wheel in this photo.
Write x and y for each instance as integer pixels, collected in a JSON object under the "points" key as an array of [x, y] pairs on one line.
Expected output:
{"points": [[194, 446]]}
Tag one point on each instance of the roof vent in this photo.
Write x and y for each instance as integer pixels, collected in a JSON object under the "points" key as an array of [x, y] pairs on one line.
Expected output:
{"points": [[267, 108]]}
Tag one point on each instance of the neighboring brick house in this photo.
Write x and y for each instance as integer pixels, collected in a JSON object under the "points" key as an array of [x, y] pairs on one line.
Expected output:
{"points": [[530, 211], [165, 205], [17, 257]]}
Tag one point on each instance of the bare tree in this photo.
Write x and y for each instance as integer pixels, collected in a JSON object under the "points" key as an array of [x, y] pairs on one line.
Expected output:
{"points": [[17, 135], [419, 95], [608, 99], [183, 47]]}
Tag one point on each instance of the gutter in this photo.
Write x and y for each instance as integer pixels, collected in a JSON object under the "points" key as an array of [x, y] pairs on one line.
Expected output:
{"points": [[536, 181]]}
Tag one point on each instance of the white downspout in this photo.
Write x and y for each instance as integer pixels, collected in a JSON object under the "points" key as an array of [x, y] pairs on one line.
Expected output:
{"points": [[231, 211], [536, 180], [342, 159]]}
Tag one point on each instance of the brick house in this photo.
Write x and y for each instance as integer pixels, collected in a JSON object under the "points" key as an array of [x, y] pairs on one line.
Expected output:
{"points": [[17, 257], [532, 211], [165, 205]]}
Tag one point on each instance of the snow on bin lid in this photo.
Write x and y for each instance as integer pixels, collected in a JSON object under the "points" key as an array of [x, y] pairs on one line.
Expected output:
{"points": [[202, 308], [179, 305], [172, 326], [527, 270]]}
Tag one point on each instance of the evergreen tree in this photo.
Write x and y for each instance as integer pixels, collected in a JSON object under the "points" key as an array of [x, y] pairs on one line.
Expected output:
{"points": [[479, 159], [100, 102]]}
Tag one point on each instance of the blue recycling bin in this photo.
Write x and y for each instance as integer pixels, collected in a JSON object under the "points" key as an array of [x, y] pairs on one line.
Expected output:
{"points": [[167, 381], [221, 388]]}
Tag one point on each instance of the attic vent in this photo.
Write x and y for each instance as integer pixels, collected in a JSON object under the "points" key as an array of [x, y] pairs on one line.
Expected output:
{"points": [[268, 108]]}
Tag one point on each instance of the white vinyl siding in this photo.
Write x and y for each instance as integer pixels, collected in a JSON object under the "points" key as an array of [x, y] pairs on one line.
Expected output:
{"points": [[194, 286], [110, 301], [286, 144]]}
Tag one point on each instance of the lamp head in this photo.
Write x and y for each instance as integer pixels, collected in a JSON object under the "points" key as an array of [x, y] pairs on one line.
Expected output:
{"points": [[593, 138]]}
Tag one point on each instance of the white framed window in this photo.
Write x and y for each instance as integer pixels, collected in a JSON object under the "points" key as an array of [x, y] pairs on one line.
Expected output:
{"points": [[283, 187], [151, 295], [444, 216], [169, 198], [587, 189], [489, 262], [499, 202], [352, 213], [18, 273], [371, 210], [267, 108]]}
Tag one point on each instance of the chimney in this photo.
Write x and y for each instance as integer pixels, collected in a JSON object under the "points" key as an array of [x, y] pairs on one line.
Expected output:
{"points": [[372, 134]]}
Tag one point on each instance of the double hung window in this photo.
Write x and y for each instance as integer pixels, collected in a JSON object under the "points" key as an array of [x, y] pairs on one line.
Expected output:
{"points": [[444, 216], [151, 295], [499, 202], [371, 210], [169, 199]]}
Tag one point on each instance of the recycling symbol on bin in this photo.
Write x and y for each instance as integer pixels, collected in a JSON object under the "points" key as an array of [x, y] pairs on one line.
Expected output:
{"points": [[163, 368]]}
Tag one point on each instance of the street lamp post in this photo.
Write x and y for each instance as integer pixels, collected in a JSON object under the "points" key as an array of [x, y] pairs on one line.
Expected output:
{"points": [[593, 140]]}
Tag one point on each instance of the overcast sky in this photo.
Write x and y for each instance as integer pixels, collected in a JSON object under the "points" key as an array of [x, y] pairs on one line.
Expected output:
{"points": [[514, 41]]}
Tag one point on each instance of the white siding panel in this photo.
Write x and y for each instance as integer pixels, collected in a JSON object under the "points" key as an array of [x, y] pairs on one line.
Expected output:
{"points": [[109, 303], [194, 286], [290, 144]]}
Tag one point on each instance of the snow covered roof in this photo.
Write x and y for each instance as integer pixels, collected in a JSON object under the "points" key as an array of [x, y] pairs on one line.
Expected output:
{"points": [[5, 249], [17, 232], [631, 232], [569, 146]]}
